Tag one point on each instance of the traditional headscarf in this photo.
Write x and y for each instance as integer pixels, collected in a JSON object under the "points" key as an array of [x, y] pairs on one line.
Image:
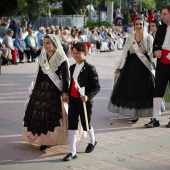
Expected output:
{"points": [[57, 58], [148, 43]]}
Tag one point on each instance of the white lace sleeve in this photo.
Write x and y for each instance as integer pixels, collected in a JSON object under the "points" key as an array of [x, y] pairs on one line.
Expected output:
{"points": [[125, 51]]}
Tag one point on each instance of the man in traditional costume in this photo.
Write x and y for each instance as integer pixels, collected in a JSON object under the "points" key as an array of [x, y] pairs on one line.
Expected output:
{"points": [[161, 50]]}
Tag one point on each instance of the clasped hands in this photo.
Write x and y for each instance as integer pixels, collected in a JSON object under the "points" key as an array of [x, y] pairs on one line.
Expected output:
{"points": [[65, 98], [158, 53]]}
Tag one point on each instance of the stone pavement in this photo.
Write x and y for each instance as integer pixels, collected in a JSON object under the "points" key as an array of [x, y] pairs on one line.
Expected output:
{"points": [[121, 145]]}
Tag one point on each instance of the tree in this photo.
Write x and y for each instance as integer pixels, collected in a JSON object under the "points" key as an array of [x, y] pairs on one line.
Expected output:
{"points": [[126, 18], [78, 7], [148, 4], [8, 7], [160, 4], [71, 7]]}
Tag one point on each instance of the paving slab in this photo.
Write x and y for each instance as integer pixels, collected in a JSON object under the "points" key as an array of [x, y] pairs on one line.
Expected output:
{"points": [[121, 145]]}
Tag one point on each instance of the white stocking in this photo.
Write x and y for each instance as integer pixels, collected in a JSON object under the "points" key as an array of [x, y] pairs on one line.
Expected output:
{"points": [[73, 140], [92, 136], [157, 102]]}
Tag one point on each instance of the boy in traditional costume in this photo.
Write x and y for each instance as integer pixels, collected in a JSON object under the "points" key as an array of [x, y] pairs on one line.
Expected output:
{"points": [[84, 75]]}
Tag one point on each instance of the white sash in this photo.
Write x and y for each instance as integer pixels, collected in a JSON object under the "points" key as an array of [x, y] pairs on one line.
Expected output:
{"points": [[143, 58], [53, 76]]}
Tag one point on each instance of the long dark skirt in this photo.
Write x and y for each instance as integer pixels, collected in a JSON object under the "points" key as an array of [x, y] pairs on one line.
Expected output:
{"points": [[43, 114], [133, 92]]}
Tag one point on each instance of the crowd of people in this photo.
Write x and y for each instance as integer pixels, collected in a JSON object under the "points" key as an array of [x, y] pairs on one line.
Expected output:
{"points": [[139, 86], [20, 42]]}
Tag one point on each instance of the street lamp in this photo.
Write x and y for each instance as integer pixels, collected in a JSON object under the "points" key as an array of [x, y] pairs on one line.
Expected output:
{"points": [[140, 5], [99, 11], [90, 7]]}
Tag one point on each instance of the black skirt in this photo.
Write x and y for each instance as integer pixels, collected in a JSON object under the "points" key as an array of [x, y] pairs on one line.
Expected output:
{"points": [[134, 88], [44, 108]]}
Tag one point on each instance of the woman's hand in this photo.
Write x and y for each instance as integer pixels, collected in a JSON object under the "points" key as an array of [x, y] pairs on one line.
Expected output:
{"points": [[117, 71], [65, 97]]}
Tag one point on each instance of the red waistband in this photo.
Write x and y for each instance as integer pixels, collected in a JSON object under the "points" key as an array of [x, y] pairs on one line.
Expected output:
{"points": [[74, 91], [164, 58]]}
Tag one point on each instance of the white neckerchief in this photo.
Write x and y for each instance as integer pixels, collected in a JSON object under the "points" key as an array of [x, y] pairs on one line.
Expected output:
{"points": [[77, 70], [166, 44]]}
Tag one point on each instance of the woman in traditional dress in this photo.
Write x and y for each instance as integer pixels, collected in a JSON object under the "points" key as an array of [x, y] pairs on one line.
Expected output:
{"points": [[132, 95], [43, 115], [153, 25]]}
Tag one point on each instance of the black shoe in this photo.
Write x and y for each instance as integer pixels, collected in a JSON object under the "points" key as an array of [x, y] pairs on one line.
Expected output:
{"points": [[5, 61], [69, 157], [15, 63], [168, 125], [9, 62], [134, 120], [152, 123], [29, 61], [22, 62], [90, 147], [44, 147]]}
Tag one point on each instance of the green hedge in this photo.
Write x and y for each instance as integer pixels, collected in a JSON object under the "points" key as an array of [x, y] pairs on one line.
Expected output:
{"points": [[92, 24]]}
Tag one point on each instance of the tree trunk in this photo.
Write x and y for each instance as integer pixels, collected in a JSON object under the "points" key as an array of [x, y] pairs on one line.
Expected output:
{"points": [[110, 5]]}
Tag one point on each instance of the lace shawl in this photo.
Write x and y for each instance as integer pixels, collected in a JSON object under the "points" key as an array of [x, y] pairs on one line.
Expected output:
{"points": [[55, 61], [148, 43], [57, 58]]}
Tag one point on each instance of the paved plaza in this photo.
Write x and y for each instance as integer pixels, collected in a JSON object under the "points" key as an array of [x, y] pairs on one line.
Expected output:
{"points": [[121, 145]]}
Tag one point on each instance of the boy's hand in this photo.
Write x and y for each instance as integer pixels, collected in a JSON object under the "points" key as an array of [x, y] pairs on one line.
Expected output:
{"points": [[84, 98]]}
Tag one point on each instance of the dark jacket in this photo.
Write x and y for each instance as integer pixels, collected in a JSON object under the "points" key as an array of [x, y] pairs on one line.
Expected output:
{"points": [[159, 38], [16, 29], [87, 78]]}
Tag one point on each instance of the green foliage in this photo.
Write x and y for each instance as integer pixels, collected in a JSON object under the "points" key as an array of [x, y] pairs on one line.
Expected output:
{"points": [[149, 4], [71, 7], [8, 7], [92, 24], [57, 11], [126, 17], [36, 8], [160, 4]]}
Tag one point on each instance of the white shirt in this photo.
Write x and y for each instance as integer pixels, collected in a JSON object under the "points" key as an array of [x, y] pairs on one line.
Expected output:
{"points": [[166, 44], [32, 41], [8, 42], [77, 70], [118, 13]]}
